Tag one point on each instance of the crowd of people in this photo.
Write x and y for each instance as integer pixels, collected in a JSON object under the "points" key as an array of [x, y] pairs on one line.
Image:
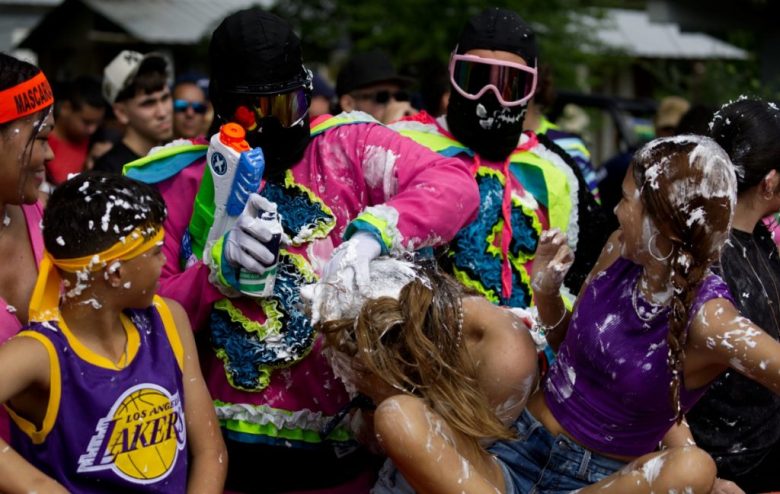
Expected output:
{"points": [[254, 282]]}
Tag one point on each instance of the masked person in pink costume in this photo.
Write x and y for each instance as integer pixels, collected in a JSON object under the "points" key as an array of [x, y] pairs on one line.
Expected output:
{"points": [[344, 183], [26, 120], [527, 183]]}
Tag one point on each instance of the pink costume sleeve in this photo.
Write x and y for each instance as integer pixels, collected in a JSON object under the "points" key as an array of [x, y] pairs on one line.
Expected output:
{"points": [[435, 196], [190, 287]]}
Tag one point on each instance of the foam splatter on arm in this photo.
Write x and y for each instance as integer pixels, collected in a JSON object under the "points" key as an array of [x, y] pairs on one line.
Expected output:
{"points": [[731, 340], [433, 196]]}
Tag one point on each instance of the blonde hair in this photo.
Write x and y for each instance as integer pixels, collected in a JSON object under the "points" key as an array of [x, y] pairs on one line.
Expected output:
{"points": [[414, 344]]}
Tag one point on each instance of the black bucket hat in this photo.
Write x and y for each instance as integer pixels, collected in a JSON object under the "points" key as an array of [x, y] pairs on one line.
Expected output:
{"points": [[365, 69]]}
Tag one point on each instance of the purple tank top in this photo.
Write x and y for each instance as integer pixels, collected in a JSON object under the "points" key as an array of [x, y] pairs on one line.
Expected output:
{"points": [[609, 387], [112, 430]]}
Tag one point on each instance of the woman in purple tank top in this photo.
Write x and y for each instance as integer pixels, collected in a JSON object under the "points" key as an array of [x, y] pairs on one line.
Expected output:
{"points": [[650, 330]]}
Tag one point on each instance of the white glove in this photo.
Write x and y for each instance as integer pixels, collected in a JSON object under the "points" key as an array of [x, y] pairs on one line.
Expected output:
{"points": [[350, 260], [253, 243], [346, 272]]}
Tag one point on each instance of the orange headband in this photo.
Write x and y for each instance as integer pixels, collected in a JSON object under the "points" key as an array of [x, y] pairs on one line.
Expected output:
{"points": [[27, 97]]}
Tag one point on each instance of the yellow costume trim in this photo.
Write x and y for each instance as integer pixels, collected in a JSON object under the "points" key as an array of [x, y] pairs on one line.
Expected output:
{"points": [[272, 324], [464, 279], [322, 228], [46, 295]]}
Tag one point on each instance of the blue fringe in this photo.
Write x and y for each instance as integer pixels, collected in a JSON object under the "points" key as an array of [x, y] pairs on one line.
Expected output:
{"points": [[249, 360]]}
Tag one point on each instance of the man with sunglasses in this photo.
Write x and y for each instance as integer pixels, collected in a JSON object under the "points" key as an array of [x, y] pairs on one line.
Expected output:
{"points": [[189, 108], [368, 82], [527, 184], [347, 190]]}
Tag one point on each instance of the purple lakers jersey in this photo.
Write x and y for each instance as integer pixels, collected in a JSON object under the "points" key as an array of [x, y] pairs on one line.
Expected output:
{"points": [[106, 428]]}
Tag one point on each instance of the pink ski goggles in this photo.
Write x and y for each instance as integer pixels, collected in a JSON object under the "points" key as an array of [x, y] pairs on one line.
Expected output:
{"points": [[512, 83]]}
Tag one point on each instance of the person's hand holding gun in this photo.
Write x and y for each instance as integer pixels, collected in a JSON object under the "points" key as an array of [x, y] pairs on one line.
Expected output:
{"points": [[253, 242]]}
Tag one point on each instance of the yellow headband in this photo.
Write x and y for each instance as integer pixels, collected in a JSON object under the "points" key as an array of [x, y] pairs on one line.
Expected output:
{"points": [[46, 295]]}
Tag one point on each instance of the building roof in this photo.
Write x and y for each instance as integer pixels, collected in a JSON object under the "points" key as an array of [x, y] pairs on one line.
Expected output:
{"points": [[632, 32], [17, 17], [31, 3], [169, 21]]}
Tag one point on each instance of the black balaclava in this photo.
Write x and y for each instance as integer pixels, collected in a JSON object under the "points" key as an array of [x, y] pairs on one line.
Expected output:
{"points": [[484, 125], [256, 52]]}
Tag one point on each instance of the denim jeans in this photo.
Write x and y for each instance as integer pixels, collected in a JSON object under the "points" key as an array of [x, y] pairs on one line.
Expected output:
{"points": [[540, 463], [391, 481]]}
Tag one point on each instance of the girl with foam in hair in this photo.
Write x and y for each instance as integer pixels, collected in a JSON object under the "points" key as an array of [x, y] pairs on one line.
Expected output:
{"points": [[651, 329], [25, 123], [447, 370]]}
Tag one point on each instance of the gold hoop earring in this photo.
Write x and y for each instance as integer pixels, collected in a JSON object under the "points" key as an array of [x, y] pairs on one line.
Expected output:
{"points": [[651, 243]]}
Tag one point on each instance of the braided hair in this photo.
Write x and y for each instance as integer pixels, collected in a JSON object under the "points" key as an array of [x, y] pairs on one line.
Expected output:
{"points": [[688, 189]]}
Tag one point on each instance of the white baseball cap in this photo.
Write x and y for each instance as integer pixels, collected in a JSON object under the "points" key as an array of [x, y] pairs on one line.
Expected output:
{"points": [[119, 74]]}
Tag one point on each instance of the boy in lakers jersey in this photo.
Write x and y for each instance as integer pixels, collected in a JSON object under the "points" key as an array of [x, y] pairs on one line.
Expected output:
{"points": [[103, 386]]}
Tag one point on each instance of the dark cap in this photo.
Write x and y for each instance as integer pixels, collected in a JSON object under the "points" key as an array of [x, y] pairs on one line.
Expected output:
{"points": [[322, 88], [253, 51], [365, 69], [500, 30]]}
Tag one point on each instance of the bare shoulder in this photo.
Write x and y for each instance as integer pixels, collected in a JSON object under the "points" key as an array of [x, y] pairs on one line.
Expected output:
{"points": [[180, 317], [24, 361], [715, 318], [497, 330], [175, 307], [717, 332]]}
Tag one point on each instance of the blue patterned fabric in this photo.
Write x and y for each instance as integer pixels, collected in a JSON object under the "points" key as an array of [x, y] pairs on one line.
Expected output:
{"points": [[248, 356], [248, 359], [297, 210], [476, 257]]}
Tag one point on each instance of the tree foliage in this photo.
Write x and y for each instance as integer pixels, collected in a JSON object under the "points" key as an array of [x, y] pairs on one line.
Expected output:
{"points": [[416, 33]]}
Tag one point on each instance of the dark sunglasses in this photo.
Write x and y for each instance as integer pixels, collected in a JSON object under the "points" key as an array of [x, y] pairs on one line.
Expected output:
{"points": [[181, 105], [289, 108], [382, 97]]}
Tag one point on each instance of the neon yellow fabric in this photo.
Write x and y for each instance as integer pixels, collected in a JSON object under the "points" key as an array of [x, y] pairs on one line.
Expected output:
{"points": [[170, 330], [559, 207], [380, 225]]}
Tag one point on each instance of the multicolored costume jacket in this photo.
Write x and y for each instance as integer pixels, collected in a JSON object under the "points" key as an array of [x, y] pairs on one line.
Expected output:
{"points": [[575, 147], [268, 378], [535, 189]]}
